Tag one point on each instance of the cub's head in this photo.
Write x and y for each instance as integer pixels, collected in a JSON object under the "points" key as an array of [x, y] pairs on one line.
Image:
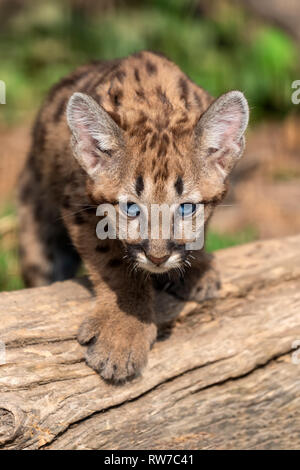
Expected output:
{"points": [[160, 169]]}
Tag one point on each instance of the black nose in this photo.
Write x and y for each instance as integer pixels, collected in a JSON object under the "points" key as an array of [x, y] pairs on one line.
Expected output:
{"points": [[156, 260]]}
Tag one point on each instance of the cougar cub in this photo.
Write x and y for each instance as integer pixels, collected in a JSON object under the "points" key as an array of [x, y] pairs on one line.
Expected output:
{"points": [[131, 134]]}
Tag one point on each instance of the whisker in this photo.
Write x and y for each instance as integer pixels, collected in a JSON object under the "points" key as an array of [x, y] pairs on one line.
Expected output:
{"points": [[73, 213], [84, 205]]}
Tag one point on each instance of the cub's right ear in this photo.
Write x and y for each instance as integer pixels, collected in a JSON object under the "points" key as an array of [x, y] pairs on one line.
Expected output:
{"points": [[97, 139], [220, 132]]}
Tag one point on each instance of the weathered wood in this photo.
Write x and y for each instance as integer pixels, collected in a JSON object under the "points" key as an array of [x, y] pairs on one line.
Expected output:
{"points": [[224, 378]]}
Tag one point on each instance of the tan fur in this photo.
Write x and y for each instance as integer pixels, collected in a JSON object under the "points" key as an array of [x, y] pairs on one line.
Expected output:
{"points": [[157, 109]]}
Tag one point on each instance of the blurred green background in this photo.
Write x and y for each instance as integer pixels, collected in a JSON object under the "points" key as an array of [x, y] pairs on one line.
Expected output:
{"points": [[220, 48], [221, 45]]}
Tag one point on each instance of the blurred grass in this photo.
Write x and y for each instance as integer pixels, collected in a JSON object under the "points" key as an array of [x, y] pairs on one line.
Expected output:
{"points": [[10, 278], [225, 50], [217, 241]]}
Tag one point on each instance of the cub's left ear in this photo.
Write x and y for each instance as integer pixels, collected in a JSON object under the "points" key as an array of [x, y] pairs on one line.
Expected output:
{"points": [[97, 140], [220, 131]]}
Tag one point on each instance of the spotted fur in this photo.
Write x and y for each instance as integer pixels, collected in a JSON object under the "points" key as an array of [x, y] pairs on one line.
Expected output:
{"points": [[152, 135]]}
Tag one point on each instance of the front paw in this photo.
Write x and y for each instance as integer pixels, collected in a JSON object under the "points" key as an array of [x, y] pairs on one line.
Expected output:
{"points": [[207, 288], [198, 288], [117, 350]]}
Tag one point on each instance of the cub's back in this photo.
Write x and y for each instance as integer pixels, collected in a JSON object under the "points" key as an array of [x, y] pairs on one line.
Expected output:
{"points": [[144, 85]]}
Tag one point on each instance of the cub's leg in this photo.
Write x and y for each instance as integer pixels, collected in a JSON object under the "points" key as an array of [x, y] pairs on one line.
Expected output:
{"points": [[122, 329], [46, 251], [200, 282]]}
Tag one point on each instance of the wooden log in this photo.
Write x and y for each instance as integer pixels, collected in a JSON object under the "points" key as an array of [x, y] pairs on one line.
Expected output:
{"points": [[228, 376]]}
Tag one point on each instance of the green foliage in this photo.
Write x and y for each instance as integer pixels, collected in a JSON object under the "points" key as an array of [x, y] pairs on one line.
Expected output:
{"points": [[218, 241], [226, 51], [9, 260], [9, 275]]}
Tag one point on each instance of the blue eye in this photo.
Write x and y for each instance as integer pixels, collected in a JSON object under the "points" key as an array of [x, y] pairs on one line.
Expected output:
{"points": [[186, 209], [132, 209]]}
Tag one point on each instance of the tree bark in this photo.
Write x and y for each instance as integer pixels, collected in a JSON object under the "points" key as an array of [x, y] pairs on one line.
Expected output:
{"points": [[227, 377]]}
